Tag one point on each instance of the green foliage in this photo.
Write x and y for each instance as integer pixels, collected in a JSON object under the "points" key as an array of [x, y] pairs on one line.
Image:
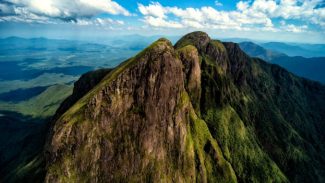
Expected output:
{"points": [[239, 145], [213, 166]]}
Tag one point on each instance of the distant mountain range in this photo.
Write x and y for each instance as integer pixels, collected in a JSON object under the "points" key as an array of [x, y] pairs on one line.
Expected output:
{"points": [[256, 50], [304, 50], [311, 68], [290, 49]]}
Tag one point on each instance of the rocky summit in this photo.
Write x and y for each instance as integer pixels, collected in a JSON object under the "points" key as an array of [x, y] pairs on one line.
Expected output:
{"points": [[199, 111]]}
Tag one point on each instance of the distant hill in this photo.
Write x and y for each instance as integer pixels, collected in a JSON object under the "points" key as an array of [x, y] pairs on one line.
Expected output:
{"points": [[260, 52], [295, 49], [42, 44], [236, 40], [311, 68]]}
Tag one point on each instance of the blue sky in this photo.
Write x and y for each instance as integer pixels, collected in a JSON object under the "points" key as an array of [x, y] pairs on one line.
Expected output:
{"points": [[269, 20]]}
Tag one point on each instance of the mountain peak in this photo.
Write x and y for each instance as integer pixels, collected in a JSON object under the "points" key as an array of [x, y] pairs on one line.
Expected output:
{"points": [[198, 39]]}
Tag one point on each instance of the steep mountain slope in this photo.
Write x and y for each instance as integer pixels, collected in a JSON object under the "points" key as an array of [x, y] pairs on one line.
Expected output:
{"points": [[199, 111]]}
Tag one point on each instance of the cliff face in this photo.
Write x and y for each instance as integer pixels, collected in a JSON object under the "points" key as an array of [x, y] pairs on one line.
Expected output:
{"points": [[201, 111]]}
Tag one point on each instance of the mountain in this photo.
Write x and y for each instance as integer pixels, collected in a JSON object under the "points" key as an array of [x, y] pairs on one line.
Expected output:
{"points": [[311, 68], [236, 40], [295, 49], [256, 50], [199, 111]]}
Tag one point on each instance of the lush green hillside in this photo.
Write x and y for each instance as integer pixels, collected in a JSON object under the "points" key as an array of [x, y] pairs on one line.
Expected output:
{"points": [[199, 111]]}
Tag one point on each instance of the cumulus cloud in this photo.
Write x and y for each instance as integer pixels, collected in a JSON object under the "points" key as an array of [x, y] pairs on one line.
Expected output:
{"points": [[292, 28], [241, 5], [204, 17], [248, 15], [154, 9], [305, 10], [67, 10]]}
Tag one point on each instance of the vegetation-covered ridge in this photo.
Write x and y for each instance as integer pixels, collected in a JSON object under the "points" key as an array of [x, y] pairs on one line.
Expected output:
{"points": [[199, 111]]}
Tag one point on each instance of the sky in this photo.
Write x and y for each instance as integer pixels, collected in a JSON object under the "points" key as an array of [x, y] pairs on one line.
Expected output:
{"points": [[269, 20]]}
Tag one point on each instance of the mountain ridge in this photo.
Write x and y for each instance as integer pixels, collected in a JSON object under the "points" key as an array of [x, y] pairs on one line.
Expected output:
{"points": [[201, 110]]}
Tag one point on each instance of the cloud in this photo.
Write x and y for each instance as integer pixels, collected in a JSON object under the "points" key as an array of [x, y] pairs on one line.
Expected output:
{"points": [[154, 9], [160, 22], [99, 22], [66, 10], [241, 5], [292, 28], [248, 15], [304, 10], [217, 3], [204, 17]]}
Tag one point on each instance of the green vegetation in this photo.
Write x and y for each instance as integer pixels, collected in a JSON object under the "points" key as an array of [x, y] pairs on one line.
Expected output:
{"points": [[43, 105], [239, 145], [214, 168]]}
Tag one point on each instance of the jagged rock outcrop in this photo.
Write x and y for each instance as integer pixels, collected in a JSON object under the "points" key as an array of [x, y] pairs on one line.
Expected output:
{"points": [[201, 111]]}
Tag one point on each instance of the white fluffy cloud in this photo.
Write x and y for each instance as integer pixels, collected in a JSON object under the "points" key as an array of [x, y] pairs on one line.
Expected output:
{"points": [[248, 15], [154, 9], [292, 28], [160, 22], [241, 5], [305, 10], [204, 17], [67, 10]]}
